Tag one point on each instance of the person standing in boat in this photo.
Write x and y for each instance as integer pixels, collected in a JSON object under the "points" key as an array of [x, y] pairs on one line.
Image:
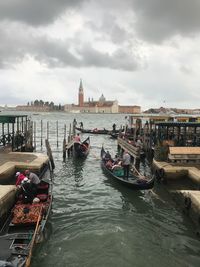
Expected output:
{"points": [[114, 127], [126, 160], [77, 138], [81, 125]]}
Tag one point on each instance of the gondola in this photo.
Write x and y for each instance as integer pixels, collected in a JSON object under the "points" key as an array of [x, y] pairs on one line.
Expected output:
{"points": [[25, 226], [135, 181], [93, 131], [81, 150]]}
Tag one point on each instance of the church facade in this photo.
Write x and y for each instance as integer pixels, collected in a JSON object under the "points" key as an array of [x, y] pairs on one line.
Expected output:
{"points": [[91, 106], [100, 106]]}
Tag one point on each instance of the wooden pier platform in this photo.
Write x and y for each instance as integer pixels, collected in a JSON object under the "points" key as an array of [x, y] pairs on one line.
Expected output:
{"points": [[132, 150], [173, 171], [11, 162]]}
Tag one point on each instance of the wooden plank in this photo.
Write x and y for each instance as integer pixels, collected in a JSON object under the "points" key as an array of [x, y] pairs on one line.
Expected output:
{"points": [[132, 150], [184, 150]]}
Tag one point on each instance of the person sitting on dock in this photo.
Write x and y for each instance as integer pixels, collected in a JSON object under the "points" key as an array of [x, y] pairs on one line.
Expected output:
{"points": [[77, 138], [20, 177]]}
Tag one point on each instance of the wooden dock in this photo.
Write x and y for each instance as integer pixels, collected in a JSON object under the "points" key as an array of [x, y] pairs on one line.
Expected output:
{"points": [[126, 145], [11, 162], [182, 166]]}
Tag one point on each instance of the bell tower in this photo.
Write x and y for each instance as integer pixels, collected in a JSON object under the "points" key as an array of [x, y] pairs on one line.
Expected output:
{"points": [[80, 95]]}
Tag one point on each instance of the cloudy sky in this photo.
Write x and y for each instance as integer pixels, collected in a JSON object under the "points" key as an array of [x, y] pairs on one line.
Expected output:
{"points": [[136, 51]]}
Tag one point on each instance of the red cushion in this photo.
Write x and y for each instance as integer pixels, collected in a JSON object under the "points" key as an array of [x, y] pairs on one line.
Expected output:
{"points": [[42, 197]]}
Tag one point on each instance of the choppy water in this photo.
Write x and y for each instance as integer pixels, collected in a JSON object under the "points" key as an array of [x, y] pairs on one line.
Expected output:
{"points": [[96, 222]]}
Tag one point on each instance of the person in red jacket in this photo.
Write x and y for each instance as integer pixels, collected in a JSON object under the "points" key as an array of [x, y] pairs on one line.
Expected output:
{"points": [[20, 177]]}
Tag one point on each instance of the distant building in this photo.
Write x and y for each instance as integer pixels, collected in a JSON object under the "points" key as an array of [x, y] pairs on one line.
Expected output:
{"points": [[91, 106], [130, 109]]}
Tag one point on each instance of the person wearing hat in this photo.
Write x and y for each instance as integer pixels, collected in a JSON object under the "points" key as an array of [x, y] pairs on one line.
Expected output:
{"points": [[19, 178]]}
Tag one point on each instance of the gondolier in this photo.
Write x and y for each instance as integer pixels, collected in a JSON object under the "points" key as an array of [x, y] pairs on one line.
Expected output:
{"points": [[126, 164], [136, 181], [77, 138]]}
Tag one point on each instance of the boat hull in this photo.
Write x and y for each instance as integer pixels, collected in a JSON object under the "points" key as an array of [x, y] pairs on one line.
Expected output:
{"points": [[133, 182], [81, 150], [25, 226]]}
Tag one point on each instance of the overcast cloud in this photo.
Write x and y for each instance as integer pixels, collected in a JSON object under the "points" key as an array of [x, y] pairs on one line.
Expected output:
{"points": [[136, 51]]}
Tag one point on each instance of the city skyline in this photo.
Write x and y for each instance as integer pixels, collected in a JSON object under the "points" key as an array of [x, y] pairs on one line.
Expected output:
{"points": [[139, 53]]}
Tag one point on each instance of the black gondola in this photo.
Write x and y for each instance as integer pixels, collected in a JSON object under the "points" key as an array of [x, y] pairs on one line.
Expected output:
{"points": [[135, 181], [114, 135], [93, 131], [25, 226], [81, 150]]}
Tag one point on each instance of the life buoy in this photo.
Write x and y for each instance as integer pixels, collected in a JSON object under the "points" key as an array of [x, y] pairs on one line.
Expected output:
{"points": [[187, 203]]}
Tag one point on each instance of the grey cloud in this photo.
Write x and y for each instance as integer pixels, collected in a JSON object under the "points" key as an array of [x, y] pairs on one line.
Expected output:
{"points": [[35, 12], [186, 70], [56, 53], [109, 28], [161, 19], [118, 60]]}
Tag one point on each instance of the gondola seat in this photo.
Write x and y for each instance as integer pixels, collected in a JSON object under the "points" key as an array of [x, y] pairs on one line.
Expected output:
{"points": [[42, 197]]}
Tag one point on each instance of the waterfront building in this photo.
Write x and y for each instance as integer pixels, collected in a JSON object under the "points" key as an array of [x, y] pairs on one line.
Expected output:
{"points": [[100, 106], [130, 109]]}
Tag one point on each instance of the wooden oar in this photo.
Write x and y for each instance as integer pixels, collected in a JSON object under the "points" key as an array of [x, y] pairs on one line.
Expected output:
{"points": [[28, 261], [139, 174]]}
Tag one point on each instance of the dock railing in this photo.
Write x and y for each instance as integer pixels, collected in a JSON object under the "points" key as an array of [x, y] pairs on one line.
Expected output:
{"points": [[132, 150]]}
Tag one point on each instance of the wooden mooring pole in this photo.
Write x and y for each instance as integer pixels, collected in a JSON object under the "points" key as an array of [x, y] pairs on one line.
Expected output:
{"points": [[57, 132], [49, 154], [41, 133], [64, 144], [69, 150], [47, 130], [34, 135]]}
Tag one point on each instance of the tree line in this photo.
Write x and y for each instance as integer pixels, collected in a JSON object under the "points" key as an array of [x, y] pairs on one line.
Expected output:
{"points": [[50, 105]]}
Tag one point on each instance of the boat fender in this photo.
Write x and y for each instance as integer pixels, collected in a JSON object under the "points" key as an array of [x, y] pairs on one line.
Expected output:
{"points": [[161, 173], [187, 203]]}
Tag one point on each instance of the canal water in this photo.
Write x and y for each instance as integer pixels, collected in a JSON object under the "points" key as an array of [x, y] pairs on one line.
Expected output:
{"points": [[96, 222]]}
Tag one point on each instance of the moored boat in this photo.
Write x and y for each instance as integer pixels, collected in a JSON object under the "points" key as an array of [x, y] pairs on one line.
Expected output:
{"points": [[25, 225], [114, 135], [93, 131], [81, 150], [134, 181]]}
